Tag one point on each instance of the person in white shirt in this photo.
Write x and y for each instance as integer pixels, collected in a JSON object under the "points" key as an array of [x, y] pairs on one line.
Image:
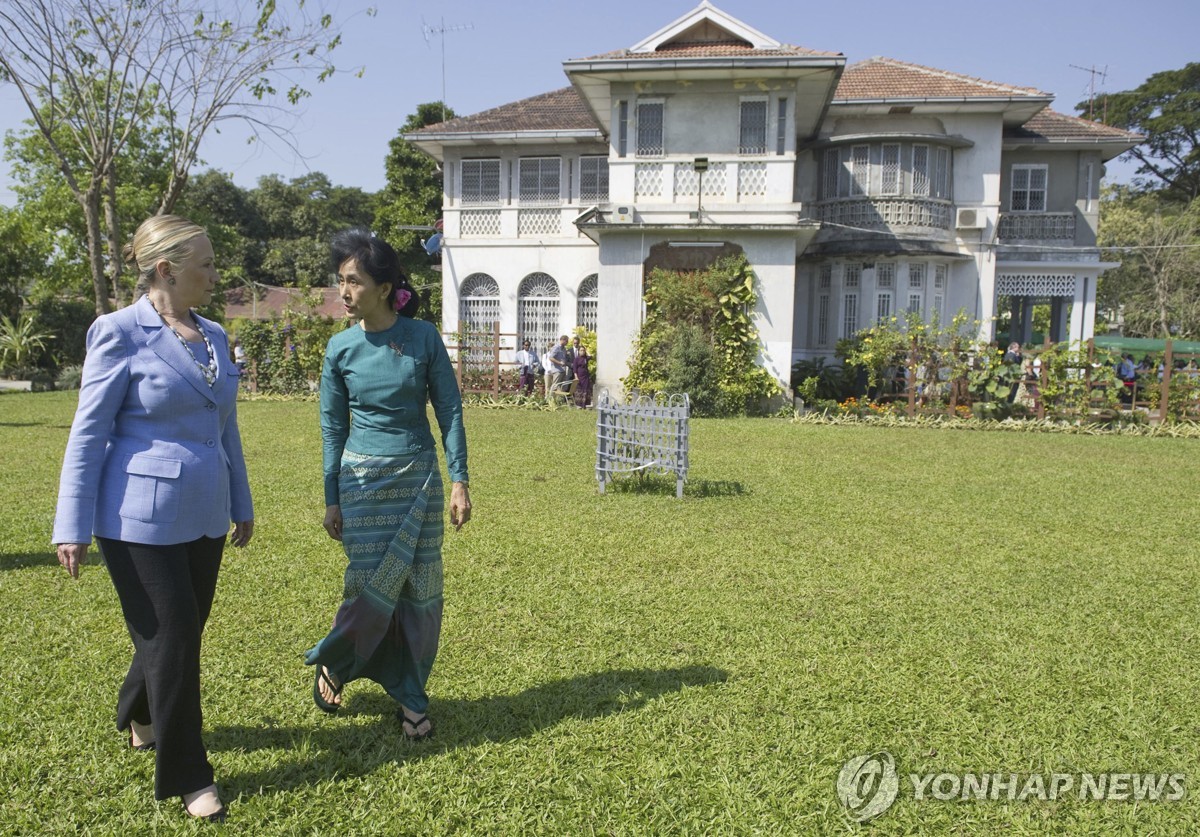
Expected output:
{"points": [[527, 365]]}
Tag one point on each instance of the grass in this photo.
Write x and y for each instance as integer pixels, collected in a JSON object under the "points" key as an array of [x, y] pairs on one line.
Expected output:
{"points": [[635, 664]]}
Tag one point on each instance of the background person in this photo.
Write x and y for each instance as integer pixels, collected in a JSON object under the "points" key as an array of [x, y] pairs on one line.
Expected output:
{"points": [[583, 376], [527, 365], [383, 487], [154, 469]]}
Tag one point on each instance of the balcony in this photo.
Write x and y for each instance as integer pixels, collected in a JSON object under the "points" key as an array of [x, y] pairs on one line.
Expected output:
{"points": [[1040, 226], [887, 214]]}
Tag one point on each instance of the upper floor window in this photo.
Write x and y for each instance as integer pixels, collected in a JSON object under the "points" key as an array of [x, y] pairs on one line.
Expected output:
{"points": [[781, 124], [593, 179], [1028, 188], [481, 181], [887, 168], [753, 135], [622, 128], [540, 179], [650, 133]]}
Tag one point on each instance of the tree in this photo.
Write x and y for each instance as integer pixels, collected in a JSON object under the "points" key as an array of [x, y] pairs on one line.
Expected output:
{"points": [[413, 198], [1157, 286], [94, 73], [1166, 108], [23, 252]]}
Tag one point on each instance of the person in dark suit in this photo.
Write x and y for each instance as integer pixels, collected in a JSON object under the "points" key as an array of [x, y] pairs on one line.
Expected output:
{"points": [[154, 469]]}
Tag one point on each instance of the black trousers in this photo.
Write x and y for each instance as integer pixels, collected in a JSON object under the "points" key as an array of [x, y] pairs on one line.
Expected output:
{"points": [[166, 594]]}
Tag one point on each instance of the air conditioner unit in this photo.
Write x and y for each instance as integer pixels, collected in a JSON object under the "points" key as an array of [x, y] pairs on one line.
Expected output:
{"points": [[621, 215], [970, 219]]}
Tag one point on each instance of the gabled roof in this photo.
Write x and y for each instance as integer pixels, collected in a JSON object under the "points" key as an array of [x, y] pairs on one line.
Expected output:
{"points": [[886, 78], [558, 110], [710, 49]]}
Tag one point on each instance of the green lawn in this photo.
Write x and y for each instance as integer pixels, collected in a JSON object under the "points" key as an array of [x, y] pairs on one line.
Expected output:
{"points": [[635, 664]]}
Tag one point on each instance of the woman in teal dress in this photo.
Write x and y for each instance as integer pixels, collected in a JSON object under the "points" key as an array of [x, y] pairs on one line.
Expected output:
{"points": [[383, 486]]}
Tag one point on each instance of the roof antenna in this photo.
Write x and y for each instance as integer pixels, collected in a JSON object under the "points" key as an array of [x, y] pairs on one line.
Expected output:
{"points": [[440, 30], [1092, 88]]}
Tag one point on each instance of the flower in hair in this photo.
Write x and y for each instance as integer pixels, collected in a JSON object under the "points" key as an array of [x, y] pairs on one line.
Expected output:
{"points": [[402, 297]]}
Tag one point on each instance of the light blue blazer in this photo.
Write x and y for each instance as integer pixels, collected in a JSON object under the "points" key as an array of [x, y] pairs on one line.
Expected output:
{"points": [[154, 455]]}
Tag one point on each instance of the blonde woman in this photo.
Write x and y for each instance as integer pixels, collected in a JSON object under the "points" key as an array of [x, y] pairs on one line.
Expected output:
{"points": [[154, 469]]}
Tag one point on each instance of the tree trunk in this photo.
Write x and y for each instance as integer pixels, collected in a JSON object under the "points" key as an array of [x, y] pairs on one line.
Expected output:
{"points": [[113, 233], [90, 201]]}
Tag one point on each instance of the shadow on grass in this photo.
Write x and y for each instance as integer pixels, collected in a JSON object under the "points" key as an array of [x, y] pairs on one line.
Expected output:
{"points": [[665, 486], [359, 750], [22, 561]]}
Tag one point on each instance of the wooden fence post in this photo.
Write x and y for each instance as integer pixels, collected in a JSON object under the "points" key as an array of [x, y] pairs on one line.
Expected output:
{"points": [[1164, 393]]}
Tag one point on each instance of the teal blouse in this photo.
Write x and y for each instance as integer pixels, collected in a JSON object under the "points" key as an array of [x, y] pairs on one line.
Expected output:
{"points": [[374, 390]]}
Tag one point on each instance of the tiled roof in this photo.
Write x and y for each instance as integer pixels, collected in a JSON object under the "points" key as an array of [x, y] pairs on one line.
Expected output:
{"points": [[886, 78], [1053, 126], [709, 49], [559, 110]]}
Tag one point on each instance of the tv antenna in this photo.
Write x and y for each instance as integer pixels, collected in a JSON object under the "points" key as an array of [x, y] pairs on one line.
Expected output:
{"points": [[1092, 88], [439, 31]]}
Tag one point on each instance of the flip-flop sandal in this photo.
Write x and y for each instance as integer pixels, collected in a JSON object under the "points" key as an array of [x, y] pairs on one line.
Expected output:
{"points": [[318, 698], [414, 736]]}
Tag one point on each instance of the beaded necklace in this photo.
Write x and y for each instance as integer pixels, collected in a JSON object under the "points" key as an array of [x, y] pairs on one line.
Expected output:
{"points": [[209, 370]]}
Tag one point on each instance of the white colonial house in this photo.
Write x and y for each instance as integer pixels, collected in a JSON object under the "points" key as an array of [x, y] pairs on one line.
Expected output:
{"points": [[855, 191]]}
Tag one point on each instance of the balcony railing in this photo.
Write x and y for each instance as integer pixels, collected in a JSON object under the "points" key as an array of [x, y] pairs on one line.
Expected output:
{"points": [[1044, 226], [886, 213]]}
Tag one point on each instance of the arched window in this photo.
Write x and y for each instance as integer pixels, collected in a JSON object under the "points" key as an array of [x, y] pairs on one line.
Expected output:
{"points": [[478, 311], [537, 310], [588, 303]]}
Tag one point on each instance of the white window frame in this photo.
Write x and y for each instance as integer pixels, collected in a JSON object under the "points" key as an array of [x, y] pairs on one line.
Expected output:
{"points": [[885, 275], [849, 315], [757, 149], [822, 319], [660, 149], [539, 180], [597, 190], [860, 170], [883, 306], [1021, 181], [478, 169], [781, 125], [890, 176], [919, 172]]}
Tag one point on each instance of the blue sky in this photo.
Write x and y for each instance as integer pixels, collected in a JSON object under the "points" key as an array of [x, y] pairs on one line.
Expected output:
{"points": [[515, 49]]}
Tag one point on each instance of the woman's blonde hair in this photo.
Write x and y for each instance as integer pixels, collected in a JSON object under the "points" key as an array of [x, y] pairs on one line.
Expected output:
{"points": [[159, 237]]}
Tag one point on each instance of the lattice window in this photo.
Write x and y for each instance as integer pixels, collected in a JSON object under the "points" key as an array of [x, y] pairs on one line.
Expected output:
{"points": [[540, 179], [831, 164], [650, 129], [539, 222], [941, 173], [849, 315], [860, 169], [939, 277], [885, 274], [478, 310], [937, 306], [753, 129], [752, 179], [916, 276], [537, 310], [822, 319], [889, 173], [480, 181], [883, 306], [914, 304], [852, 275], [920, 170], [648, 179], [1028, 188], [826, 279], [781, 126], [688, 180], [587, 305], [475, 222], [1036, 284], [593, 179]]}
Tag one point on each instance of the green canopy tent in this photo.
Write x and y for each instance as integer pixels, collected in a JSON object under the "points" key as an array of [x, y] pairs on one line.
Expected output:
{"points": [[1138, 346]]}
